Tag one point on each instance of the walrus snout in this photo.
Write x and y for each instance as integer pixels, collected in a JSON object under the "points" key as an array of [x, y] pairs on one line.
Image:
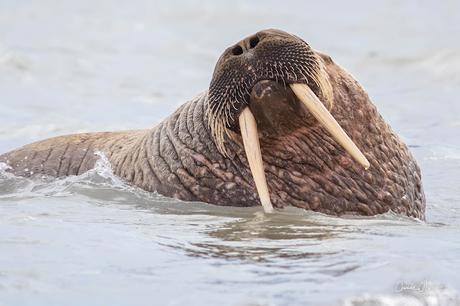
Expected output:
{"points": [[271, 55]]}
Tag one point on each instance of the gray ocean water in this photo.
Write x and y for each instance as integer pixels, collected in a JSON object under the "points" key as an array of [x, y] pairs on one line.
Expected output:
{"points": [[75, 66]]}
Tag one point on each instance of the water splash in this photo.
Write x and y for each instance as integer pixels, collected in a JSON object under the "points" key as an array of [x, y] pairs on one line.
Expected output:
{"points": [[101, 176], [3, 168]]}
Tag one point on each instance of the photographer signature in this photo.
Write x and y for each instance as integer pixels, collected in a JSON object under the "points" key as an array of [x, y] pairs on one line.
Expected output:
{"points": [[421, 287]]}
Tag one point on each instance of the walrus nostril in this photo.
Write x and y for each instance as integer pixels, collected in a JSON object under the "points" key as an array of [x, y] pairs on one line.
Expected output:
{"points": [[237, 50], [253, 42]]}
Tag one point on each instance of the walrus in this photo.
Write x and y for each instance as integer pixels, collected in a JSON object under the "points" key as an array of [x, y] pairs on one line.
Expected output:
{"points": [[280, 124]]}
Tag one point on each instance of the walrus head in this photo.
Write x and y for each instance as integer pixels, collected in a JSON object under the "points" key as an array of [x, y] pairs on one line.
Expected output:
{"points": [[271, 83]]}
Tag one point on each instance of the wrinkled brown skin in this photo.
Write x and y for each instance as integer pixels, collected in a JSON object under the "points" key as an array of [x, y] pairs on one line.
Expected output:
{"points": [[304, 166]]}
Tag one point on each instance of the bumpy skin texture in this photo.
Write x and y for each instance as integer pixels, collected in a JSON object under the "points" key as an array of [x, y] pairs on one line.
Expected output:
{"points": [[304, 166]]}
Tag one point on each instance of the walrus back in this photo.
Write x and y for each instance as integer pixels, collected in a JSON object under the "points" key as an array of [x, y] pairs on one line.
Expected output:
{"points": [[58, 156]]}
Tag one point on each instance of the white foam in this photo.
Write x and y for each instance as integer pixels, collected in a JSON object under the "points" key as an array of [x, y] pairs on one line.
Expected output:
{"points": [[4, 167], [13, 61], [103, 166], [4, 174], [100, 176]]}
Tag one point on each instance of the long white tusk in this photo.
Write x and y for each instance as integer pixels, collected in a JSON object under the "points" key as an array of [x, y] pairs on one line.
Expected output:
{"points": [[250, 137], [314, 105]]}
